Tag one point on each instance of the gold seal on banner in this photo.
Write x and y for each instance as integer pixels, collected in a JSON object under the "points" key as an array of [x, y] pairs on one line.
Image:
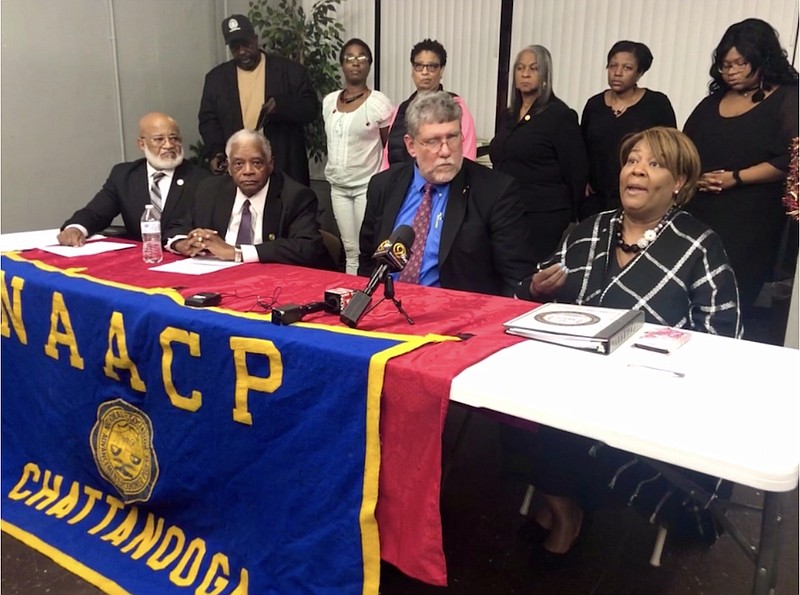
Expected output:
{"points": [[122, 445]]}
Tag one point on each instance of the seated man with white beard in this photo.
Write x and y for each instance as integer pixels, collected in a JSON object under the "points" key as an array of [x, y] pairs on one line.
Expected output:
{"points": [[161, 178]]}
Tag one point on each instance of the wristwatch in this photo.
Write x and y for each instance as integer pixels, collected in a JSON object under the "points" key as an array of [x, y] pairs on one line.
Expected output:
{"points": [[237, 254], [737, 177]]}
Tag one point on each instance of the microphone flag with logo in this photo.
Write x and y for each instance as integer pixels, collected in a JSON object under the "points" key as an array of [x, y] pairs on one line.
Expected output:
{"points": [[393, 255]]}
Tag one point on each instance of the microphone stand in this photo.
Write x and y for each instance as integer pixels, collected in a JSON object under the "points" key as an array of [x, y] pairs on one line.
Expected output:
{"points": [[388, 293]]}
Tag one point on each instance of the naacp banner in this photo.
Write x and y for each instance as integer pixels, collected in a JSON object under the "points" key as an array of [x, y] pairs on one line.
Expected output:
{"points": [[155, 448]]}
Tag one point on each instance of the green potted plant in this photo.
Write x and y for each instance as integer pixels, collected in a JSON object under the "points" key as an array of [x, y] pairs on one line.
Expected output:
{"points": [[313, 41]]}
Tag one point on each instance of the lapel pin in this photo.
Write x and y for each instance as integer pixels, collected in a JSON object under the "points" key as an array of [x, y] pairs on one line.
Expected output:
{"points": [[271, 237], [180, 182]]}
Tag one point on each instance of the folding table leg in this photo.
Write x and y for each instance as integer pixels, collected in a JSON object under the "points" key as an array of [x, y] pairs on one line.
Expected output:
{"points": [[449, 462], [767, 560]]}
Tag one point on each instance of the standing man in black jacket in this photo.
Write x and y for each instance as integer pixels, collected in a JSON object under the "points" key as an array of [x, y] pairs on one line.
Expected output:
{"points": [[259, 92]]}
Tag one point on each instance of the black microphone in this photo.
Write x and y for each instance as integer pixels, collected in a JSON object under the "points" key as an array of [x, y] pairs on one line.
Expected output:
{"points": [[291, 313], [392, 255]]}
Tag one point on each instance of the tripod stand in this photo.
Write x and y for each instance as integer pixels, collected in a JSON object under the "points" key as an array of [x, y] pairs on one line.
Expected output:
{"points": [[388, 294]]}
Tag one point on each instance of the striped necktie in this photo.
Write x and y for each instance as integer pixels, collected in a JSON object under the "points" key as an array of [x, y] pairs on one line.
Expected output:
{"points": [[420, 225], [155, 191]]}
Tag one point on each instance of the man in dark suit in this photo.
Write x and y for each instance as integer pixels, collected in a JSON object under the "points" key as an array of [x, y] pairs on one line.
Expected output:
{"points": [[468, 220], [258, 92], [162, 177], [257, 214]]}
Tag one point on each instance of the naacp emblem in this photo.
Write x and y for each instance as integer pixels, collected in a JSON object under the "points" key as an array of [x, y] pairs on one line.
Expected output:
{"points": [[122, 445]]}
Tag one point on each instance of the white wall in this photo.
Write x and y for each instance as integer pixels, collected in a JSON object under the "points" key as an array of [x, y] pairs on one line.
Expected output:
{"points": [[76, 77], [681, 34], [78, 74]]}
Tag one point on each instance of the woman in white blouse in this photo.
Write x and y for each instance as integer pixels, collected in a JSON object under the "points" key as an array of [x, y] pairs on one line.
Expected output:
{"points": [[356, 124]]}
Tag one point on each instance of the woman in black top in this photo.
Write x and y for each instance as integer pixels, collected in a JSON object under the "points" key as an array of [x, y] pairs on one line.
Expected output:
{"points": [[743, 131], [539, 143], [621, 109]]}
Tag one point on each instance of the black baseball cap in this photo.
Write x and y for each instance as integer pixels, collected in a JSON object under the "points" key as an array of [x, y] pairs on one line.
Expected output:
{"points": [[237, 27]]}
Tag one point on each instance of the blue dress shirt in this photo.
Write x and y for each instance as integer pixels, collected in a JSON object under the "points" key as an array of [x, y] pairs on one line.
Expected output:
{"points": [[429, 272]]}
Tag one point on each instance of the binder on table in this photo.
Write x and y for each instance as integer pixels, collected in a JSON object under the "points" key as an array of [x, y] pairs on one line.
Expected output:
{"points": [[591, 328]]}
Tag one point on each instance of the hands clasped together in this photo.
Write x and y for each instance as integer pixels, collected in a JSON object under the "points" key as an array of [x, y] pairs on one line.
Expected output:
{"points": [[716, 181], [202, 241]]}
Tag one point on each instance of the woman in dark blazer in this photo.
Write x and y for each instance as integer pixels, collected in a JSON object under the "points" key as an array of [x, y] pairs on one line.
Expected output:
{"points": [[539, 143], [610, 116]]}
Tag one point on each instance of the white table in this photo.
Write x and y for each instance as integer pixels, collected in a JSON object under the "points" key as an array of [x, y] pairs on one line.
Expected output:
{"points": [[724, 407]]}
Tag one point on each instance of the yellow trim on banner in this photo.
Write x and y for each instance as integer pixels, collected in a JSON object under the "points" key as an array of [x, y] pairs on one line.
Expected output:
{"points": [[370, 539], [65, 561], [179, 299], [429, 338], [76, 273]]}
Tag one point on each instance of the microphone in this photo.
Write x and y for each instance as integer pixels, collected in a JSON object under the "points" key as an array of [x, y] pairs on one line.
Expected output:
{"points": [[291, 313], [392, 254], [335, 301]]}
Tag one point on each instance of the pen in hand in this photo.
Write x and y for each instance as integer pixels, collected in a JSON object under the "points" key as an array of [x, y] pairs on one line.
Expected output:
{"points": [[540, 266]]}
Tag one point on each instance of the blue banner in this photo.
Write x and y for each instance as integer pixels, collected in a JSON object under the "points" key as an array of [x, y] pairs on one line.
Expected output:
{"points": [[155, 448]]}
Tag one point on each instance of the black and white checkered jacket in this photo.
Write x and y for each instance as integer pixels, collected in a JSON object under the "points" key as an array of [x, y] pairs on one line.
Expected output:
{"points": [[682, 279]]}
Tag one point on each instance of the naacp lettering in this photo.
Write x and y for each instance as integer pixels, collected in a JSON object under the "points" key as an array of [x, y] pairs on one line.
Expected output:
{"points": [[117, 359]]}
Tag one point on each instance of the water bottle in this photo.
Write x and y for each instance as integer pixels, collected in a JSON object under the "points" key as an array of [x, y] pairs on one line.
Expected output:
{"points": [[151, 235]]}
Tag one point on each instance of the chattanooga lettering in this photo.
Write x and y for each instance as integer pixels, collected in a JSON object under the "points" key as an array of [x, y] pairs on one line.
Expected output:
{"points": [[176, 345], [161, 548]]}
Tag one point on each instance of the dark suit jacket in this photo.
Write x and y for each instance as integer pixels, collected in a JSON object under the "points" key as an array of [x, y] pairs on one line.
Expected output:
{"points": [[290, 227], [484, 239], [296, 104], [127, 191]]}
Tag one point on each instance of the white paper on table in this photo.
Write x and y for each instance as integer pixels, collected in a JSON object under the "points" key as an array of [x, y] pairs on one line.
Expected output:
{"points": [[199, 265], [25, 240], [88, 248]]}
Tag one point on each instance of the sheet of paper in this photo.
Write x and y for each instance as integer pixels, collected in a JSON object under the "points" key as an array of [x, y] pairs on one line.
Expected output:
{"points": [[25, 240], [199, 265], [88, 248]]}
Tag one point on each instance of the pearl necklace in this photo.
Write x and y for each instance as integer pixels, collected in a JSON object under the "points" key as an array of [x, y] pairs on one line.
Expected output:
{"points": [[648, 238]]}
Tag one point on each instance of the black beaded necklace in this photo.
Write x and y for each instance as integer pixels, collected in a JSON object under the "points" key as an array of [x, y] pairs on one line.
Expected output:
{"points": [[648, 238], [351, 99]]}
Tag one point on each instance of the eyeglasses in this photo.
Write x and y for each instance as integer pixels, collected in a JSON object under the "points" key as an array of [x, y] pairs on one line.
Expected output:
{"points": [[419, 67], [350, 59], [434, 145], [158, 141], [740, 64]]}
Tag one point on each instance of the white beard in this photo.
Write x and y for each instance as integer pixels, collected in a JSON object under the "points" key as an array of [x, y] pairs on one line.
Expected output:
{"points": [[163, 163]]}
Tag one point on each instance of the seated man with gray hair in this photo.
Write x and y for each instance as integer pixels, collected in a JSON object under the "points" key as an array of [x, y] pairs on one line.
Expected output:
{"points": [[257, 214], [468, 220]]}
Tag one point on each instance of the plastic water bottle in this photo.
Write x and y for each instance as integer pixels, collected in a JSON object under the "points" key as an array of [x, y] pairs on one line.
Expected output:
{"points": [[151, 235]]}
